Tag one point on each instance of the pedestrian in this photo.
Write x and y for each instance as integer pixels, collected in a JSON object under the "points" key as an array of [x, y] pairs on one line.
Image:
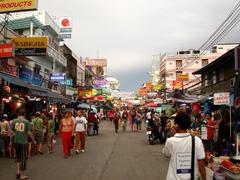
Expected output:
{"points": [[210, 132], [22, 129], [179, 149], [80, 132], [124, 119], [38, 131], [51, 134], [116, 119], [4, 138], [66, 129], [134, 118]]}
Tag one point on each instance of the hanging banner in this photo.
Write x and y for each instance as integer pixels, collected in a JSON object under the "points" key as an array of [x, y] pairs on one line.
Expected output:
{"points": [[8, 65], [148, 85], [7, 6], [37, 79], [25, 74], [221, 98], [31, 46]]}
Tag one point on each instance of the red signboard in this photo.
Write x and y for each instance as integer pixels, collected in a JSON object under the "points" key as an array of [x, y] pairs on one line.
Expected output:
{"points": [[6, 50], [177, 84]]}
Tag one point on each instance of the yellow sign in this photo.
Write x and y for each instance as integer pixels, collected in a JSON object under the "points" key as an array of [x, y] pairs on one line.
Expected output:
{"points": [[7, 6], [157, 86], [86, 93], [31, 42], [182, 77]]}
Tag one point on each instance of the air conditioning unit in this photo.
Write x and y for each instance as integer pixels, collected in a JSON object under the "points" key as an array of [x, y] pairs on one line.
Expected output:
{"points": [[232, 82]]}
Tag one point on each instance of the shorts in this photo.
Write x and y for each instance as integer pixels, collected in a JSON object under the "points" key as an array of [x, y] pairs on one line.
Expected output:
{"points": [[50, 137], [38, 136], [21, 155]]}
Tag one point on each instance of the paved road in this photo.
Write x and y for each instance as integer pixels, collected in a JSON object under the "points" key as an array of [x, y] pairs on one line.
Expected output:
{"points": [[109, 156]]}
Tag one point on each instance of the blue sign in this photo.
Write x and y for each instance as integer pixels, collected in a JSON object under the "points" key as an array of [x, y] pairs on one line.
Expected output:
{"points": [[68, 82], [65, 30], [37, 80], [25, 74], [58, 77]]}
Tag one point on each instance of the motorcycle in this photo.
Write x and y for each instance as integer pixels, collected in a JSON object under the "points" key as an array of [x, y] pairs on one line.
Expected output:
{"points": [[155, 136]]}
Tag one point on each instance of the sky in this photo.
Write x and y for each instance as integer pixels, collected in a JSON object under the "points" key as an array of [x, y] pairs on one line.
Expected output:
{"points": [[129, 32]]}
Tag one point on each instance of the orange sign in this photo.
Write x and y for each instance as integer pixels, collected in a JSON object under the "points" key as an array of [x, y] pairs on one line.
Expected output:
{"points": [[148, 85], [143, 92], [177, 84], [182, 77]]}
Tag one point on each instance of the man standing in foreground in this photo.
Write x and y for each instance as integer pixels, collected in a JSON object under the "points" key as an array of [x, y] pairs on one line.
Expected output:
{"points": [[22, 129], [179, 149]]}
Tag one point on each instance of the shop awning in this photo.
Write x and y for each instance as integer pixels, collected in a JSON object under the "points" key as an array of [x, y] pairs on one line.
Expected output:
{"points": [[33, 90], [13, 80], [57, 98]]}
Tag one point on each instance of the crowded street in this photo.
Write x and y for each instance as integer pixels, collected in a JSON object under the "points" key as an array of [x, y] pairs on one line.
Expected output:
{"points": [[126, 155], [119, 90]]}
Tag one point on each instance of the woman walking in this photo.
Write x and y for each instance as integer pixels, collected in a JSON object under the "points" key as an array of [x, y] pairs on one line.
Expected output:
{"points": [[66, 129]]}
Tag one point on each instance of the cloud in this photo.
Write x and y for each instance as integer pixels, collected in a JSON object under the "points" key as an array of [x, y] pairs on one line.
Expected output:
{"points": [[128, 32]]}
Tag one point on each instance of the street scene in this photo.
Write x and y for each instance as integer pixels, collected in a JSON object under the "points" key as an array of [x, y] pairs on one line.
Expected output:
{"points": [[115, 90]]}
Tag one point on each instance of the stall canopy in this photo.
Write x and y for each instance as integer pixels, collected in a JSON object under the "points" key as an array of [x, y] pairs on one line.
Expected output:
{"points": [[36, 90]]}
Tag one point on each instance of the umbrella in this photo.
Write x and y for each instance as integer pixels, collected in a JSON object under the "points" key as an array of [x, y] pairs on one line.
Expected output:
{"points": [[83, 106], [151, 105]]}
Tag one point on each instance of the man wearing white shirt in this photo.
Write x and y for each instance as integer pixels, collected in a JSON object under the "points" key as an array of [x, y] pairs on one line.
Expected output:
{"points": [[179, 149], [80, 131]]}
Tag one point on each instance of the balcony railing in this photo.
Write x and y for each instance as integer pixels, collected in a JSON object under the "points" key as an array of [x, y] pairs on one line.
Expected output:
{"points": [[57, 55]]}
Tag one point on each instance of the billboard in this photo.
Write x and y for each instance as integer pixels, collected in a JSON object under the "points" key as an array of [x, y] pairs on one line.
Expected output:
{"points": [[6, 50], [30, 46], [7, 6], [65, 25], [96, 62]]}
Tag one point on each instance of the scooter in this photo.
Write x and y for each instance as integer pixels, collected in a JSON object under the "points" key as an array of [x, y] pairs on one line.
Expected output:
{"points": [[152, 139]]}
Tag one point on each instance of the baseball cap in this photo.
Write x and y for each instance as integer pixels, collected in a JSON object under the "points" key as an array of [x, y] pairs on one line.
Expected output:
{"points": [[5, 116]]}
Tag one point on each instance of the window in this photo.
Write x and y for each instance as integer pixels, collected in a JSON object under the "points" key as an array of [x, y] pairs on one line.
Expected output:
{"points": [[206, 80], [37, 69], [204, 62], [179, 63], [20, 32], [214, 77], [221, 76]]}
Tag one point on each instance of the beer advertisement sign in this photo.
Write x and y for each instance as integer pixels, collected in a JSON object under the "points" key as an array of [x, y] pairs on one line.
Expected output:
{"points": [[31, 46]]}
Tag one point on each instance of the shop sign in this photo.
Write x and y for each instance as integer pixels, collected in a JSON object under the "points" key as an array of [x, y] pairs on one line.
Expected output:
{"points": [[221, 98], [6, 50], [182, 77], [25, 74], [148, 85], [66, 36], [177, 84], [8, 65], [68, 82], [7, 6], [70, 91], [86, 93], [99, 82], [31, 46], [58, 77], [96, 62], [37, 79], [143, 92]]}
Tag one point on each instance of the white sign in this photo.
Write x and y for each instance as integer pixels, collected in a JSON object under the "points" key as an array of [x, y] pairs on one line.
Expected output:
{"points": [[203, 133], [222, 98], [65, 23]]}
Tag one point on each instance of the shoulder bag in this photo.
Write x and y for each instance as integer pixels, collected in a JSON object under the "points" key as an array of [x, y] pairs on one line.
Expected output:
{"points": [[193, 158]]}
